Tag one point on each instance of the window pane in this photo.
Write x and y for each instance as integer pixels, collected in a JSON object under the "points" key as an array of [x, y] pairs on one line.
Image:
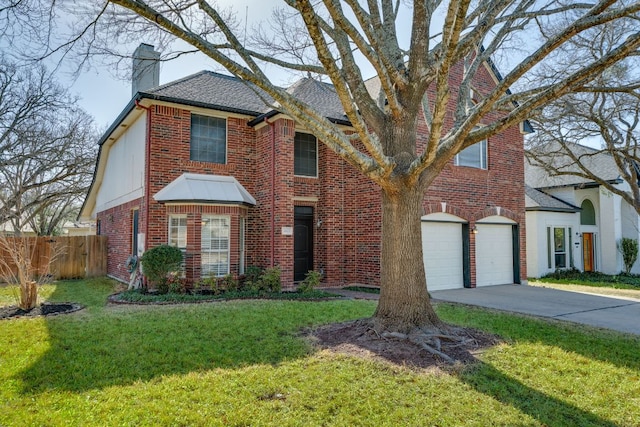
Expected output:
{"points": [[560, 247], [558, 239], [208, 139], [588, 213], [178, 232], [305, 155], [215, 245], [474, 156]]}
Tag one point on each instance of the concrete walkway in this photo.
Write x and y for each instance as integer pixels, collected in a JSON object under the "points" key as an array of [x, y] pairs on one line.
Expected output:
{"points": [[621, 315], [618, 314]]}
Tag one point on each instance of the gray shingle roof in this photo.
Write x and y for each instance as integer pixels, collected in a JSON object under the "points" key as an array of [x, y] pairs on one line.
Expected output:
{"points": [[228, 93], [215, 90], [600, 163], [319, 95], [536, 200]]}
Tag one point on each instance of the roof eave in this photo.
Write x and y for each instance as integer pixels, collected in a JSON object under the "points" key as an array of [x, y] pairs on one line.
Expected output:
{"points": [[265, 116], [550, 209]]}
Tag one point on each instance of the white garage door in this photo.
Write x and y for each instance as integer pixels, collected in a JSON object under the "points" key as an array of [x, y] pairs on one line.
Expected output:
{"points": [[494, 254], [442, 252]]}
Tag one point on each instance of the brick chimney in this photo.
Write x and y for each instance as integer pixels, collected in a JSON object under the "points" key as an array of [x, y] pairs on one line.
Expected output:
{"points": [[146, 69]]}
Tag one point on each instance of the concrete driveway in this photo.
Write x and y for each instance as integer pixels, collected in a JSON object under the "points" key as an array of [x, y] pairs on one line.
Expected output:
{"points": [[618, 314]]}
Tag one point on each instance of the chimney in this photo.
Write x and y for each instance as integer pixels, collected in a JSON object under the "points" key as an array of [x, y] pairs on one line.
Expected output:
{"points": [[146, 69]]}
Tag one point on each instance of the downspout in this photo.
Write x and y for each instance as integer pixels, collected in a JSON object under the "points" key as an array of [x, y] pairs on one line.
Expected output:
{"points": [[147, 172], [273, 191]]}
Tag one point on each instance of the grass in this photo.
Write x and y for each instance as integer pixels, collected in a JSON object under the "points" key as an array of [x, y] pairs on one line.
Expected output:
{"points": [[594, 279], [622, 285], [244, 363]]}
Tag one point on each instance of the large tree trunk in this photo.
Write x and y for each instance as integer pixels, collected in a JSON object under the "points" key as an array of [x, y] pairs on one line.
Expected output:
{"points": [[404, 301]]}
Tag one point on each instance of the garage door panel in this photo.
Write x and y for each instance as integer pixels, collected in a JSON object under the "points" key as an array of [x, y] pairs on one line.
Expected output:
{"points": [[442, 252], [494, 254]]}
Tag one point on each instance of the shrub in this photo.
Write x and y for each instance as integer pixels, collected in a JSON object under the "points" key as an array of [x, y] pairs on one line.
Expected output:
{"points": [[227, 283], [629, 249], [158, 263], [270, 280], [251, 278], [310, 282]]}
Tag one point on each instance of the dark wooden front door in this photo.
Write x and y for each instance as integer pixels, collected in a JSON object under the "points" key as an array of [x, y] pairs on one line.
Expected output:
{"points": [[302, 242], [587, 251]]}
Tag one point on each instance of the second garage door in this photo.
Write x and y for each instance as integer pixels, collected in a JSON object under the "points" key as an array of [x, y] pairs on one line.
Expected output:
{"points": [[442, 252], [494, 254]]}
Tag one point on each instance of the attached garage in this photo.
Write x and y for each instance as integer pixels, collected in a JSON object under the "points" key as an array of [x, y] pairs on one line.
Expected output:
{"points": [[496, 246], [443, 251]]}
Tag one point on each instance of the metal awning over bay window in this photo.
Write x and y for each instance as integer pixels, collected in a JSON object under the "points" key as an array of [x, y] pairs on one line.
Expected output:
{"points": [[200, 188]]}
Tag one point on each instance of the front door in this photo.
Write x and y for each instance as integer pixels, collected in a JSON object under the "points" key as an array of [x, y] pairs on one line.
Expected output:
{"points": [[587, 251], [302, 242]]}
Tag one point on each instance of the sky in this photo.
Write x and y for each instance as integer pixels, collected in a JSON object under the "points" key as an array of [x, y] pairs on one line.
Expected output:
{"points": [[104, 96]]}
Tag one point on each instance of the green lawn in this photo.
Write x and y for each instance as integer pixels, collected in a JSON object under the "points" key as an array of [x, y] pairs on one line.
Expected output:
{"points": [[621, 285], [244, 363]]}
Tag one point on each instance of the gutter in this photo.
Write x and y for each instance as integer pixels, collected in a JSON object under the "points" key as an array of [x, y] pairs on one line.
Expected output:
{"points": [[147, 177]]}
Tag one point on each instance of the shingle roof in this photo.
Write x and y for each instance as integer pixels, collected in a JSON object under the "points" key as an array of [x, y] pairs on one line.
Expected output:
{"points": [[215, 90], [319, 95], [600, 163], [536, 200]]}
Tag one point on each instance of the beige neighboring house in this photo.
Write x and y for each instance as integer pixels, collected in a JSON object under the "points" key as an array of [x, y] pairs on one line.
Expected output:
{"points": [[78, 228], [7, 229], [69, 228], [574, 222]]}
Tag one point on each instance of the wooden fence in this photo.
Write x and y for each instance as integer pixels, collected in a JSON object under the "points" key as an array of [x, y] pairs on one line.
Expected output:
{"points": [[74, 257]]}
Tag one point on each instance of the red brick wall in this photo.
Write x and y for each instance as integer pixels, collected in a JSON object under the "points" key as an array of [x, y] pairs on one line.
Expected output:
{"points": [[117, 224]]}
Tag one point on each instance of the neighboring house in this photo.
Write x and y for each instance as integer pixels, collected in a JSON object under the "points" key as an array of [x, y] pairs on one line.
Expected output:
{"points": [[203, 164], [75, 228], [7, 229], [574, 222]]}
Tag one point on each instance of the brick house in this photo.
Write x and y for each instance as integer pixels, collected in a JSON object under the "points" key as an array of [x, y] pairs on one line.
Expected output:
{"points": [[202, 163]]}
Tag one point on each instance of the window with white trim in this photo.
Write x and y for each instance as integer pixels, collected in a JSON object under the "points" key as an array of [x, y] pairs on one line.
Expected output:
{"points": [[559, 244], [305, 155], [215, 245], [474, 156], [208, 139], [178, 236]]}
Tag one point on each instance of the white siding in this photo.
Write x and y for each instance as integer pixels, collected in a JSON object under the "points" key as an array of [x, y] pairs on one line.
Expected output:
{"points": [[123, 178]]}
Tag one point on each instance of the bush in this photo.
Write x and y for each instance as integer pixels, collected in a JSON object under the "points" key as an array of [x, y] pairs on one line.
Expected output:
{"points": [[251, 278], [227, 283], [310, 282], [629, 249], [271, 280], [158, 263]]}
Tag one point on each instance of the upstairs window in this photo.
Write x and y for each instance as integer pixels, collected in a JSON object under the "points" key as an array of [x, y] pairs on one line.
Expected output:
{"points": [[305, 150], [474, 156], [208, 139]]}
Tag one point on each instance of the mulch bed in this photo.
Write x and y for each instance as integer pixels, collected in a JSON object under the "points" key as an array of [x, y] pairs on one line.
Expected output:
{"points": [[44, 309], [356, 338]]}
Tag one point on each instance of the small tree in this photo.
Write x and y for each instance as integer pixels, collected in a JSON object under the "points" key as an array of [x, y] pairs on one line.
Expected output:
{"points": [[159, 262], [19, 266], [629, 249]]}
